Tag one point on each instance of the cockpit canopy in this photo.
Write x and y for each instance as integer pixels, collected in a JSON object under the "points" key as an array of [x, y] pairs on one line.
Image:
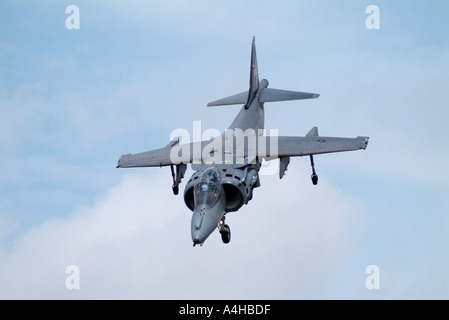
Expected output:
{"points": [[207, 189]]}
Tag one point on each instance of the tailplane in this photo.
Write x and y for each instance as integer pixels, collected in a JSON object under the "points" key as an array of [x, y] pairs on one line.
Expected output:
{"points": [[272, 95], [258, 90]]}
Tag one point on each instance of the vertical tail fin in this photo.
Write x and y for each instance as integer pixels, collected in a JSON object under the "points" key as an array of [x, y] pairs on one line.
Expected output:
{"points": [[260, 88], [253, 76]]}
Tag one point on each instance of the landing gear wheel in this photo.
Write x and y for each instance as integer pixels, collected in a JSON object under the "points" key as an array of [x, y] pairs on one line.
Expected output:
{"points": [[225, 232], [175, 189], [314, 179], [314, 175]]}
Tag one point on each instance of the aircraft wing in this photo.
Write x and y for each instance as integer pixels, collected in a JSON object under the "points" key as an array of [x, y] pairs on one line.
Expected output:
{"points": [[310, 145], [172, 154], [154, 158], [227, 149]]}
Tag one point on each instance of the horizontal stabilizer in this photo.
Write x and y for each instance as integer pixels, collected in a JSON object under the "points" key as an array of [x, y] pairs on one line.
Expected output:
{"points": [[239, 98], [271, 95]]}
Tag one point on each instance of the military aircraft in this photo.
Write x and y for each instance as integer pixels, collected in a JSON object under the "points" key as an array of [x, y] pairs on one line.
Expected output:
{"points": [[227, 166]]}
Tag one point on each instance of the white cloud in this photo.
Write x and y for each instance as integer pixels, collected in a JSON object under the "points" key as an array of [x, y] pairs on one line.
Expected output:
{"points": [[135, 243]]}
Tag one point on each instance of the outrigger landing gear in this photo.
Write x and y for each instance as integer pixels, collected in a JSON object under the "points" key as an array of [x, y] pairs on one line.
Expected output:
{"points": [[314, 175], [175, 186], [180, 170], [225, 231]]}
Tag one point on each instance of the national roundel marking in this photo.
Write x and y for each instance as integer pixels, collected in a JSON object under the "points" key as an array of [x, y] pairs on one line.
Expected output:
{"points": [[321, 140]]}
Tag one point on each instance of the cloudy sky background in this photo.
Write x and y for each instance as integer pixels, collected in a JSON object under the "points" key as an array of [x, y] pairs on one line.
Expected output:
{"points": [[73, 101]]}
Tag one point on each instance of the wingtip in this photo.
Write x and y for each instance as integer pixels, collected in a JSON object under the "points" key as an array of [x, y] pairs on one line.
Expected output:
{"points": [[364, 142]]}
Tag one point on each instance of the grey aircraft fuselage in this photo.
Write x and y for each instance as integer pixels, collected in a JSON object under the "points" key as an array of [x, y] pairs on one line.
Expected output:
{"points": [[225, 185]]}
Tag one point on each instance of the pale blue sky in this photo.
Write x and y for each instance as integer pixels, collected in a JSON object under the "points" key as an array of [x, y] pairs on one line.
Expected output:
{"points": [[73, 101]]}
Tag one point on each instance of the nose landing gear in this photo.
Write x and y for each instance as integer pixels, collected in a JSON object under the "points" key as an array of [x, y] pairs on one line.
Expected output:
{"points": [[225, 231]]}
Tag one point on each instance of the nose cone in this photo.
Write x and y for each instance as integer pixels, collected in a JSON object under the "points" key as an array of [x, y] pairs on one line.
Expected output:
{"points": [[204, 221], [196, 241]]}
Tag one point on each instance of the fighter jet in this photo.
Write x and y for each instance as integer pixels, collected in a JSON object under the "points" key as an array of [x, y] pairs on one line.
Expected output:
{"points": [[227, 166]]}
